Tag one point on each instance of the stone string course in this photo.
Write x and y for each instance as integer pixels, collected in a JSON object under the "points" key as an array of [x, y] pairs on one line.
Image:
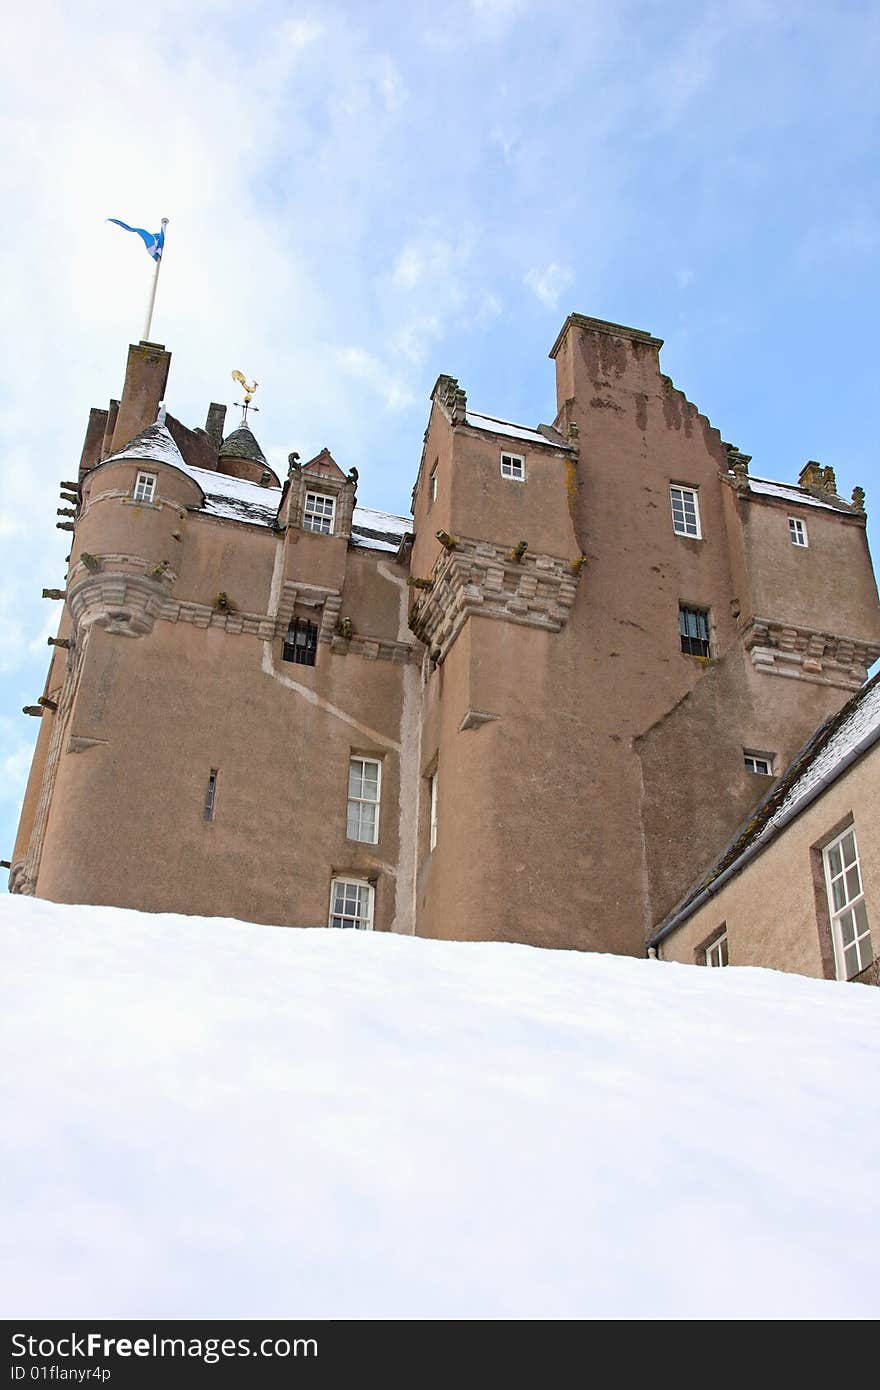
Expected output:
{"points": [[126, 596]]}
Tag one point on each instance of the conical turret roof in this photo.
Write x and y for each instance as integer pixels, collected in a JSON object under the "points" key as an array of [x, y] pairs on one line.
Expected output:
{"points": [[154, 444], [241, 444]]}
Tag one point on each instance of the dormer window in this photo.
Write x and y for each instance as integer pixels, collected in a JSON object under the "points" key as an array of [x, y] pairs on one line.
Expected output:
{"points": [[301, 642], [513, 466], [319, 513], [144, 487]]}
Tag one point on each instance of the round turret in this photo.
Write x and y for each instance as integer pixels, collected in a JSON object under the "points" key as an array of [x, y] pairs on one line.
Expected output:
{"points": [[241, 457]]}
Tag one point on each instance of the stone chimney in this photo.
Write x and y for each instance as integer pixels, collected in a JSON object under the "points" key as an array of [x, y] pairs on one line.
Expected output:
{"points": [[146, 376], [91, 449], [812, 475], [215, 422]]}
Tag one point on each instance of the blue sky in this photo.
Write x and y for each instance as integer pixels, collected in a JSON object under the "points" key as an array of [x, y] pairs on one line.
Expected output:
{"points": [[363, 196]]}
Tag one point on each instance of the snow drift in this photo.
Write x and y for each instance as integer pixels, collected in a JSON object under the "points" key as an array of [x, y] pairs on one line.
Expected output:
{"points": [[210, 1119]]}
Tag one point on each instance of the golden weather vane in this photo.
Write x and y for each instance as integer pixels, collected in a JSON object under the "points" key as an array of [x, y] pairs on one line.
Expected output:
{"points": [[248, 394]]}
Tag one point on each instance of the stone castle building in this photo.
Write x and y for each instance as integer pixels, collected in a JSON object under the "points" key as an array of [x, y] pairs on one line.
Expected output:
{"points": [[532, 711]]}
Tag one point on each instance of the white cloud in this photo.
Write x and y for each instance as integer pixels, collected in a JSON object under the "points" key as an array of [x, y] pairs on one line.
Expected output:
{"points": [[363, 366], [549, 283], [14, 768]]}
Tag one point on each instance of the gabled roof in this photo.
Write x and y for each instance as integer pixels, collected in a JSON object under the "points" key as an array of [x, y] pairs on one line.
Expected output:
{"points": [[241, 444], [832, 749]]}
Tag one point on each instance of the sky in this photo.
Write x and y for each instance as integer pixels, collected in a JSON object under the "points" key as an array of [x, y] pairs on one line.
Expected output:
{"points": [[363, 196]]}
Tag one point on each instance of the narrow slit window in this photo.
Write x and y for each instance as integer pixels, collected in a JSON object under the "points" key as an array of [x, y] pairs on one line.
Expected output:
{"points": [[797, 530], [761, 763], [364, 791], [301, 642], [693, 627], [432, 839], [211, 794], [432, 486], [319, 513], [685, 511], [351, 904], [850, 931], [513, 466], [144, 487]]}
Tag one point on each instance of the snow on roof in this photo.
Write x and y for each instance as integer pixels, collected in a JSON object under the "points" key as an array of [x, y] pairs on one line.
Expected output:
{"points": [[382, 521], [506, 427], [237, 499], [379, 530], [790, 492], [822, 759], [566, 1119], [155, 444], [825, 755]]}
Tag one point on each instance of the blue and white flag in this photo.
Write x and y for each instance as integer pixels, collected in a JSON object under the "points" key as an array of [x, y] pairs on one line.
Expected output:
{"points": [[154, 241]]}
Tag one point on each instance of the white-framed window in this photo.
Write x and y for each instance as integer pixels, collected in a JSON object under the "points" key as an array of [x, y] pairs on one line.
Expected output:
{"points": [[693, 631], [797, 529], [364, 791], [716, 952], [685, 511], [432, 838], [513, 466], [762, 763], [351, 904], [319, 513], [432, 486], [850, 932], [144, 487]]}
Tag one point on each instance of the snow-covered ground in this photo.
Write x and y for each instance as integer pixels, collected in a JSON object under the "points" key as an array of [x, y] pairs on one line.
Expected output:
{"points": [[210, 1119]]}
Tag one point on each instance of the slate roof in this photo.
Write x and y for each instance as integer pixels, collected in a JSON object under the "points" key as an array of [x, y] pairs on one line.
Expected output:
{"points": [[237, 499], [792, 492], [513, 431], [835, 746], [242, 444]]}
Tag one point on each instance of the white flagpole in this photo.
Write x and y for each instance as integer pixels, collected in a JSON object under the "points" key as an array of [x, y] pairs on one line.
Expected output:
{"points": [[149, 323]]}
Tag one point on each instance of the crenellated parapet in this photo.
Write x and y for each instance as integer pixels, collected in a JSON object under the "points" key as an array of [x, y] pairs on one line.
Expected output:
{"points": [[474, 577], [801, 653]]}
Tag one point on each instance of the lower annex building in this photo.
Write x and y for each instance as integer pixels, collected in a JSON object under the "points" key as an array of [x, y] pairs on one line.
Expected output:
{"points": [[534, 710]]}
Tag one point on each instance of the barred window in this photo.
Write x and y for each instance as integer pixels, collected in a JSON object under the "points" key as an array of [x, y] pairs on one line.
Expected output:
{"points": [[364, 789], [351, 904], [685, 511], [851, 933], [693, 627], [319, 513], [144, 487], [210, 795], [301, 642]]}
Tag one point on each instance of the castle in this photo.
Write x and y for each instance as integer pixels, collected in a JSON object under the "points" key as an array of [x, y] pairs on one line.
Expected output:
{"points": [[532, 711]]}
